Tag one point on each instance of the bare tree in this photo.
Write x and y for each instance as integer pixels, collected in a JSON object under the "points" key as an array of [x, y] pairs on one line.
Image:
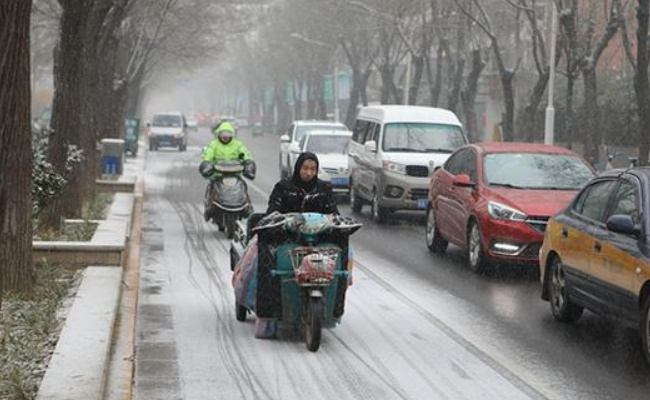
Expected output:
{"points": [[66, 118], [15, 149], [640, 64], [585, 50], [476, 11], [529, 112]]}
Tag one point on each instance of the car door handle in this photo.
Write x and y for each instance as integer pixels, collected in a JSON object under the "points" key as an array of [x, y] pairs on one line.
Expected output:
{"points": [[565, 233], [598, 247]]}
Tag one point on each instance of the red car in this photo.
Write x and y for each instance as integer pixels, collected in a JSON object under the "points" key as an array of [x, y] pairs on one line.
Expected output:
{"points": [[494, 199]]}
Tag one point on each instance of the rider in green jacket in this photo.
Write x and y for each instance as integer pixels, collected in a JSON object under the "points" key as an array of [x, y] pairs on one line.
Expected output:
{"points": [[226, 146]]}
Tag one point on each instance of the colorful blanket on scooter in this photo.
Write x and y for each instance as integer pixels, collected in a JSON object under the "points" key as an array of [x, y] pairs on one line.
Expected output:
{"points": [[244, 278]]}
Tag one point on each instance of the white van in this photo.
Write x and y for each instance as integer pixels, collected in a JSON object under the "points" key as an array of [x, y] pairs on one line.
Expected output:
{"points": [[394, 150], [168, 129]]}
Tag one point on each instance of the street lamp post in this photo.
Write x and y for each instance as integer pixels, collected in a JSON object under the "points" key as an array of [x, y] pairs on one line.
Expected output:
{"points": [[549, 127], [336, 85]]}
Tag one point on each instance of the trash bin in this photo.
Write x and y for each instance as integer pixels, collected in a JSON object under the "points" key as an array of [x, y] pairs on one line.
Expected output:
{"points": [[131, 130], [112, 156]]}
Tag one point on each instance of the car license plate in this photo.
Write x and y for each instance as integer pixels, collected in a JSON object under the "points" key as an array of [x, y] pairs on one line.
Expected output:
{"points": [[423, 203], [339, 181]]}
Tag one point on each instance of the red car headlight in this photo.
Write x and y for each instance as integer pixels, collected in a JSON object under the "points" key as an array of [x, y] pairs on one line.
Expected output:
{"points": [[501, 211]]}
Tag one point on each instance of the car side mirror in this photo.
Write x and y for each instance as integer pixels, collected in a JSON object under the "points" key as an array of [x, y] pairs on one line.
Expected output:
{"points": [[370, 146], [622, 223], [463, 180], [285, 139]]}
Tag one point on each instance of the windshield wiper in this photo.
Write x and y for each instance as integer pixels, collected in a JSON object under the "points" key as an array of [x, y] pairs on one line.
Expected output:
{"points": [[550, 188], [506, 185], [404, 149], [438, 151]]}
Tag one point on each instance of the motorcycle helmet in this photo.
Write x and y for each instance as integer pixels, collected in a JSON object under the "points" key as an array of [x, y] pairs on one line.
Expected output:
{"points": [[225, 132]]}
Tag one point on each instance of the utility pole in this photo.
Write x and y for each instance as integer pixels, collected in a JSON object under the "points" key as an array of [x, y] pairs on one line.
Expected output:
{"points": [[407, 79], [549, 127], [336, 85]]}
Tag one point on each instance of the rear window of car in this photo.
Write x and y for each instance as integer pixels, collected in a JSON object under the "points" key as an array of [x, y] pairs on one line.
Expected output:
{"points": [[166, 121], [328, 144], [302, 130]]}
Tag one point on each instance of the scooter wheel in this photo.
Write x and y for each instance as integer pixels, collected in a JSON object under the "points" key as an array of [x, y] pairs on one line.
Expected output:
{"points": [[313, 323], [240, 312]]}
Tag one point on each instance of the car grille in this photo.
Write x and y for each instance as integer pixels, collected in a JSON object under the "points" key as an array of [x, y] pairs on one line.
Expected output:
{"points": [[538, 222], [531, 251], [417, 170], [415, 194]]}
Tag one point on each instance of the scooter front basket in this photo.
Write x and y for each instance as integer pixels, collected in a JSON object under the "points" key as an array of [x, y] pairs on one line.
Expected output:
{"points": [[314, 266]]}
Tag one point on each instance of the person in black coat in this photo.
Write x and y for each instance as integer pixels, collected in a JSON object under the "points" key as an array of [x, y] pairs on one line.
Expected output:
{"points": [[303, 192]]}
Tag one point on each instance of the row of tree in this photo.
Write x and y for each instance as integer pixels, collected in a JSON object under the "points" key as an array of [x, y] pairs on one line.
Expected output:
{"points": [[106, 53], [452, 45]]}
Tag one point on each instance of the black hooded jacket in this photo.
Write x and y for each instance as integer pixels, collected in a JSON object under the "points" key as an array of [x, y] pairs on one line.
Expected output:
{"points": [[289, 194]]}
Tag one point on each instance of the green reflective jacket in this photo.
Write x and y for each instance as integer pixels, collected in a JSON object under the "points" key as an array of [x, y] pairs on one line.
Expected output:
{"points": [[219, 151]]}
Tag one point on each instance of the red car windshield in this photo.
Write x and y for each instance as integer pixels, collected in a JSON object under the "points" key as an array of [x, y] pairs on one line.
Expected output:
{"points": [[536, 171]]}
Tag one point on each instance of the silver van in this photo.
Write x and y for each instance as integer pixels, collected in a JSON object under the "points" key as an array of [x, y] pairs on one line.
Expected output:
{"points": [[394, 150], [168, 129]]}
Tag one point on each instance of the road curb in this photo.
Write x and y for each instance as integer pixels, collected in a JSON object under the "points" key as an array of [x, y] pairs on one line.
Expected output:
{"points": [[79, 366]]}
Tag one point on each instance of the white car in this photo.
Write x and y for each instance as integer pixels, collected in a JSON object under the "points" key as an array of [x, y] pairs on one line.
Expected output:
{"points": [[290, 141], [168, 129], [331, 148]]}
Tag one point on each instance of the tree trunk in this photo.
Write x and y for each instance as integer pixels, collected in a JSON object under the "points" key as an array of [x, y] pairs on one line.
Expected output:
{"points": [[507, 123], [16, 270], [568, 119], [354, 97], [363, 89], [414, 85], [284, 113], [454, 88], [320, 108], [435, 83], [641, 86], [297, 98], [66, 105], [388, 87], [469, 93], [311, 97], [591, 133], [529, 112]]}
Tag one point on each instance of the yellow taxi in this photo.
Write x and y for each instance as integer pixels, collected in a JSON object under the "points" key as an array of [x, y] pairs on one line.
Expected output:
{"points": [[596, 253]]}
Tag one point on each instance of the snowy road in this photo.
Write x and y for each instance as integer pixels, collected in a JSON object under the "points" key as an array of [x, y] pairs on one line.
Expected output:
{"points": [[416, 326]]}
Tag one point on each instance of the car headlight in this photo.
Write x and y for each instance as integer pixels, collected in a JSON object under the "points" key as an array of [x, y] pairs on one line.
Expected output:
{"points": [[394, 167], [500, 211]]}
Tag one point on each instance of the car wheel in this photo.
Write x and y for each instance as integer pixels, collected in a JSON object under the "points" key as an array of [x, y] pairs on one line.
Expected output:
{"points": [[379, 214], [475, 255], [562, 307], [645, 328], [355, 201], [435, 242]]}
